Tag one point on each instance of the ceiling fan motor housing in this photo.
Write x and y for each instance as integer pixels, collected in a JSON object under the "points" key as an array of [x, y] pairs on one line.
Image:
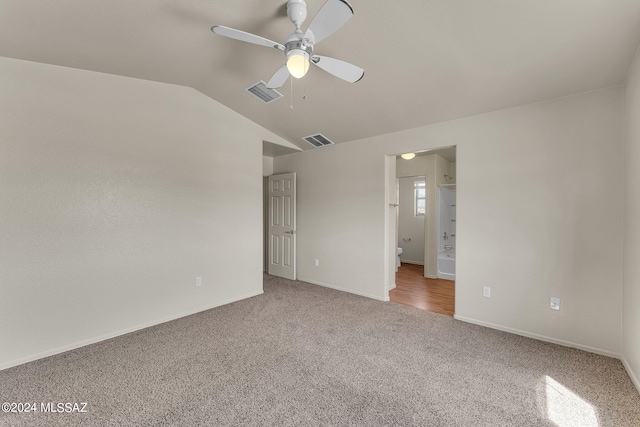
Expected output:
{"points": [[297, 11], [298, 45]]}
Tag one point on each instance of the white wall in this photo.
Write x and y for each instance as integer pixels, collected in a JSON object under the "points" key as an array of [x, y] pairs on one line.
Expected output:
{"points": [[115, 193], [267, 169], [539, 198], [410, 226], [631, 290], [341, 210], [267, 166], [390, 235]]}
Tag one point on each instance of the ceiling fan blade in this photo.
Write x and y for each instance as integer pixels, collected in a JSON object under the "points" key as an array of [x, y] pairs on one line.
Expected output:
{"points": [[331, 16], [279, 78], [341, 69], [245, 37]]}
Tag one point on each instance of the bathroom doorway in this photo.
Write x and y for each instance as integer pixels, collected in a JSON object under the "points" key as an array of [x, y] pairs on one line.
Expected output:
{"points": [[412, 207], [419, 281]]}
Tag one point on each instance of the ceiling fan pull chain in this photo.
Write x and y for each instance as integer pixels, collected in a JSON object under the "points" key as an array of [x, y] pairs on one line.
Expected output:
{"points": [[291, 80]]}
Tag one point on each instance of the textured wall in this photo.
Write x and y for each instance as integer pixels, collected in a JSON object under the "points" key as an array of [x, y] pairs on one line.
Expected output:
{"points": [[631, 291], [340, 217], [115, 193], [539, 214]]}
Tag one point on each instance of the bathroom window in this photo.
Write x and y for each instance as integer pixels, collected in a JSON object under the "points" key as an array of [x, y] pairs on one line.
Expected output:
{"points": [[420, 197]]}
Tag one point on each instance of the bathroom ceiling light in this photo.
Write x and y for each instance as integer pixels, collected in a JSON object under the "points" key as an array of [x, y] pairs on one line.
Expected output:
{"points": [[408, 156]]}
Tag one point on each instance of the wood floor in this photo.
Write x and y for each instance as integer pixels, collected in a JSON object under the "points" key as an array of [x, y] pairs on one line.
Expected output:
{"points": [[413, 289]]}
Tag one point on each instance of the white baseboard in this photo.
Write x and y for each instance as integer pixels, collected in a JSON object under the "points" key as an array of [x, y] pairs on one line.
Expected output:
{"points": [[125, 331], [431, 276], [408, 261], [351, 291], [632, 374], [538, 337], [392, 287]]}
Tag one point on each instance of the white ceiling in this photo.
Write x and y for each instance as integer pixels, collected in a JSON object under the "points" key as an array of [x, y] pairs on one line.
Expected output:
{"points": [[425, 61]]}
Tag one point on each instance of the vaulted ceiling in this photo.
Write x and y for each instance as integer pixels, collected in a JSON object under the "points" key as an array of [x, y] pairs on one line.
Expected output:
{"points": [[425, 61]]}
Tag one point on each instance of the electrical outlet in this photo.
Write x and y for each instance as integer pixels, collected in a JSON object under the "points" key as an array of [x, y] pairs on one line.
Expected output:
{"points": [[486, 292], [554, 303], [198, 281], [316, 263]]}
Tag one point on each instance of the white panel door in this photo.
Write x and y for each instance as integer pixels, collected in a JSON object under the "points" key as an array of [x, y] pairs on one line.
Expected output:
{"points": [[282, 226]]}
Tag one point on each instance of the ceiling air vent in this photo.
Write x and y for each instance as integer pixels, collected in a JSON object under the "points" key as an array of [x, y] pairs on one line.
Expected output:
{"points": [[318, 140], [264, 94]]}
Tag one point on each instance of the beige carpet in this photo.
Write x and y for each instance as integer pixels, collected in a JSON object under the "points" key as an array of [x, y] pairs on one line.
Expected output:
{"points": [[305, 355]]}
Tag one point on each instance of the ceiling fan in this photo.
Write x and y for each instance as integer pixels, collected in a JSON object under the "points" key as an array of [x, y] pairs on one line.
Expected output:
{"points": [[298, 47]]}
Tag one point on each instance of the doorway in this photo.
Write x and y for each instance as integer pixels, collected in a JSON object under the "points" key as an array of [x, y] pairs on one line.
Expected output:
{"points": [[412, 206], [415, 290], [417, 281]]}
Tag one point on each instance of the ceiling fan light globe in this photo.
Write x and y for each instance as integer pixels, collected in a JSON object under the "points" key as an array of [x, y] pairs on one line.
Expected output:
{"points": [[408, 156], [298, 63]]}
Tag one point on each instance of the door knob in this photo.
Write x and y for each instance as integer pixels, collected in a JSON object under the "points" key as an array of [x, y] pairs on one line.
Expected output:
{"points": [[290, 232]]}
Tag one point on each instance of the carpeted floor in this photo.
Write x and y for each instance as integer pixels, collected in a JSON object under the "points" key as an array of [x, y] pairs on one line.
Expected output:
{"points": [[306, 355]]}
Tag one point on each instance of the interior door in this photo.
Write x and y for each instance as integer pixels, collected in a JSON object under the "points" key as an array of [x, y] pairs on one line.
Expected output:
{"points": [[282, 226]]}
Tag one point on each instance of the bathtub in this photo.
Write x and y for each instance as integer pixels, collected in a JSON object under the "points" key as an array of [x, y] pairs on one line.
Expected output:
{"points": [[447, 264]]}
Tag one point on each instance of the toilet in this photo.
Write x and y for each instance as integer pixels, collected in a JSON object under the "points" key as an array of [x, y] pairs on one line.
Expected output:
{"points": [[398, 262]]}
